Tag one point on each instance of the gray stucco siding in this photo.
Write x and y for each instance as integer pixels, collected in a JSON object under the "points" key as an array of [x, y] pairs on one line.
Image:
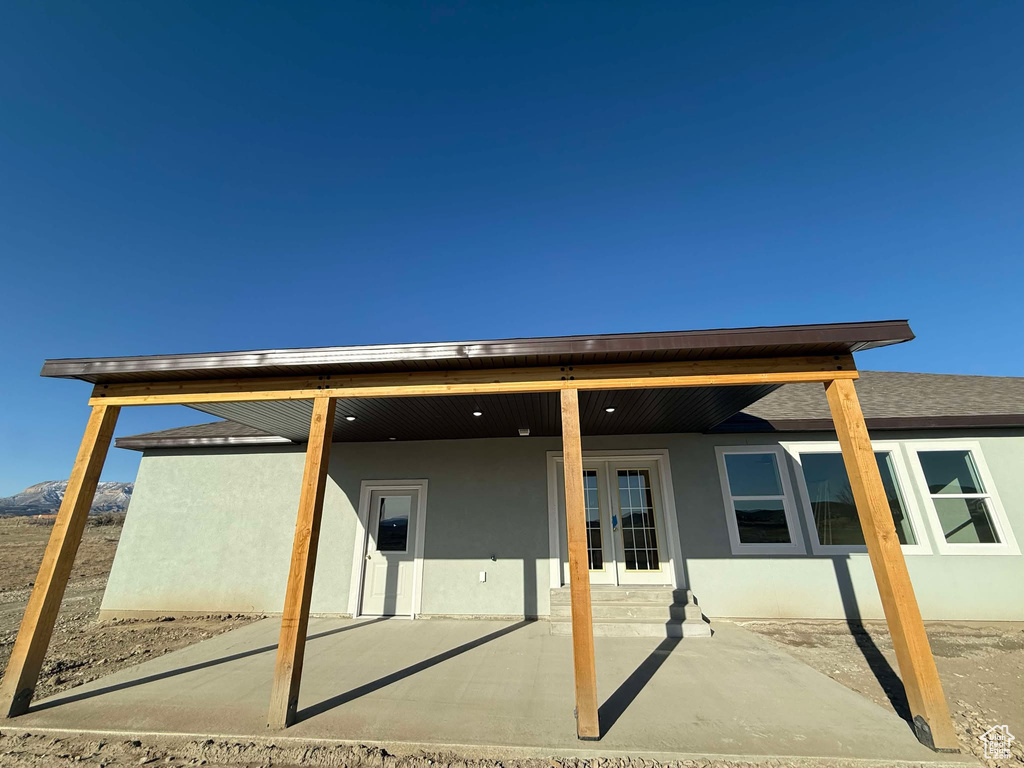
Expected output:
{"points": [[211, 531]]}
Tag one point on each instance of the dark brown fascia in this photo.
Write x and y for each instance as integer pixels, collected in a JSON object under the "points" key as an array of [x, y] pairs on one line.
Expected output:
{"points": [[856, 336]]}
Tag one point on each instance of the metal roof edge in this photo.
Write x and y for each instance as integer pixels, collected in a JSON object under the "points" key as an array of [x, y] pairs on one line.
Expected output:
{"points": [[862, 335], [142, 443]]}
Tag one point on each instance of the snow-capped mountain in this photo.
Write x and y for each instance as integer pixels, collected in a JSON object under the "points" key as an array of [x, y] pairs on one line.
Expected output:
{"points": [[45, 499]]}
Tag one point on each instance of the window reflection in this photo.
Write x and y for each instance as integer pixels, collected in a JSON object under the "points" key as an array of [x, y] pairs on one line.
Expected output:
{"points": [[832, 504], [393, 523]]}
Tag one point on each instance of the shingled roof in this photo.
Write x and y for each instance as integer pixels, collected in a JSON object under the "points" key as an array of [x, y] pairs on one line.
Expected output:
{"points": [[890, 400]]}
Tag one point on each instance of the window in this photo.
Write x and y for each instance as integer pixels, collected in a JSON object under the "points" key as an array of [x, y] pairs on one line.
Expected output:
{"points": [[829, 506], [963, 506], [592, 505], [393, 523], [639, 533], [758, 500]]}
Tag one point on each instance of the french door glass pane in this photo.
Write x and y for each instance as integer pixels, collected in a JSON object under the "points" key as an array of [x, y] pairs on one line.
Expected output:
{"points": [[592, 505], [639, 533], [762, 521], [965, 521], [835, 514]]}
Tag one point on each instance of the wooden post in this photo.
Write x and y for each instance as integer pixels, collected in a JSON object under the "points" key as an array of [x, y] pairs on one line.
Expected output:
{"points": [[284, 698], [587, 725], [928, 707], [43, 605]]}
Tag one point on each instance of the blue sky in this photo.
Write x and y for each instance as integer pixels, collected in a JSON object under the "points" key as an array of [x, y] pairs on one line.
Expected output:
{"points": [[206, 176]]}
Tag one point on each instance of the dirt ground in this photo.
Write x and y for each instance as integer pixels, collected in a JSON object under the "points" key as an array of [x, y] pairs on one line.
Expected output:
{"points": [[982, 669]]}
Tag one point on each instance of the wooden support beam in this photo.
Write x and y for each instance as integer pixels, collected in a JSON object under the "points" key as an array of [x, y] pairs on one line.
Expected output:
{"points": [[913, 654], [587, 724], [43, 605], [690, 373], [291, 645]]}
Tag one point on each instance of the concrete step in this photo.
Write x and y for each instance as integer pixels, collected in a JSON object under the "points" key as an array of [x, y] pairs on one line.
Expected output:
{"points": [[641, 610], [633, 612], [603, 594], [636, 628]]}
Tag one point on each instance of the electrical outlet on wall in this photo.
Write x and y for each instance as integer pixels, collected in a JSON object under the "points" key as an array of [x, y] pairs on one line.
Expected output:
{"points": [[483, 576]]}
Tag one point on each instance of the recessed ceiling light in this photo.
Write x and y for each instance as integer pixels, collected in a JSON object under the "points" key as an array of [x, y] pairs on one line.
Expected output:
{"points": [[350, 418], [609, 410], [478, 413]]}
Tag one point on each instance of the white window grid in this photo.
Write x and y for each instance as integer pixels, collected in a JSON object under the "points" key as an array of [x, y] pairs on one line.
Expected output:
{"points": [[1007, 541], [639, 480], [795, 546]]}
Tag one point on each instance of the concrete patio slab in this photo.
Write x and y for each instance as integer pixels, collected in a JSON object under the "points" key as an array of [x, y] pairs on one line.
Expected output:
{"points": [[485, 684]]}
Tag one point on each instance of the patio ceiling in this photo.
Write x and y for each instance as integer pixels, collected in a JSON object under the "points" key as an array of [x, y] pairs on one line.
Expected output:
{"points": [[636, 411]]}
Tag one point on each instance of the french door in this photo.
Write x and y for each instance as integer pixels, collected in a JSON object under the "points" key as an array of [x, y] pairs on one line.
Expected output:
{"points": [[625, 523]]}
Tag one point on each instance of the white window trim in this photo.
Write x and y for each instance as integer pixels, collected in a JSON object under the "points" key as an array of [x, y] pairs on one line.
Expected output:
{"points": [[366, 488], [668, 500], [796, 545], [999, 519], [903, 480]]}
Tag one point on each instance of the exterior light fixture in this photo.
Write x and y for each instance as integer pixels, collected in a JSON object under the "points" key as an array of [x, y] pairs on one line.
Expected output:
{"points": [[478, 413], [350, 418], [525, 432], [609, 410], [392, 438]]}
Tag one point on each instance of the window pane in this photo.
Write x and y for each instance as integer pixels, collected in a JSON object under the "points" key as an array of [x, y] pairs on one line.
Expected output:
{"points": [[592, 505], [393, 523], [966, 521], [636, 509], [832, 504], [753, 474], [950, 472], [762, 522]]}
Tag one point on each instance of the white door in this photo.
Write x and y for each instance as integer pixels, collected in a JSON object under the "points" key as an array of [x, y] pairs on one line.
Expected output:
{"points": [[390, 556], [638, 524], [598, 508]]}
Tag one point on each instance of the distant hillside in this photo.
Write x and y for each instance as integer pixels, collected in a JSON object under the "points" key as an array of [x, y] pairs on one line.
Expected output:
{"points": [[45, 499]]}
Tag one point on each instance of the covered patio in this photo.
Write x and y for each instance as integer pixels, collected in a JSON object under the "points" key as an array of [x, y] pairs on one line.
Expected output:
{"points": [[474, 686], [698, 379]]}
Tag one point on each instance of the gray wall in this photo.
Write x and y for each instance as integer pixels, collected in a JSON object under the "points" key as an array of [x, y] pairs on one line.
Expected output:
{"points": [[211, 531]]}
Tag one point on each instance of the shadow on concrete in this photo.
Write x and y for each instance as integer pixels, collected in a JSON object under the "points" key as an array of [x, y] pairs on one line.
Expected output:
{"points": [[185, 670], [609, 712], [394, 677]]}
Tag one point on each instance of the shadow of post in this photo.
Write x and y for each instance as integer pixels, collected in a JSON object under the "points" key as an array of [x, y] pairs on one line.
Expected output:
{"points": [[190, 668], [880, 667], [625, 694], [394, 677]]}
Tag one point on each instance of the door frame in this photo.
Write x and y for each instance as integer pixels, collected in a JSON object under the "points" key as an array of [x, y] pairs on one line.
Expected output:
{"points": [[361, 539], [659, 457]]}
